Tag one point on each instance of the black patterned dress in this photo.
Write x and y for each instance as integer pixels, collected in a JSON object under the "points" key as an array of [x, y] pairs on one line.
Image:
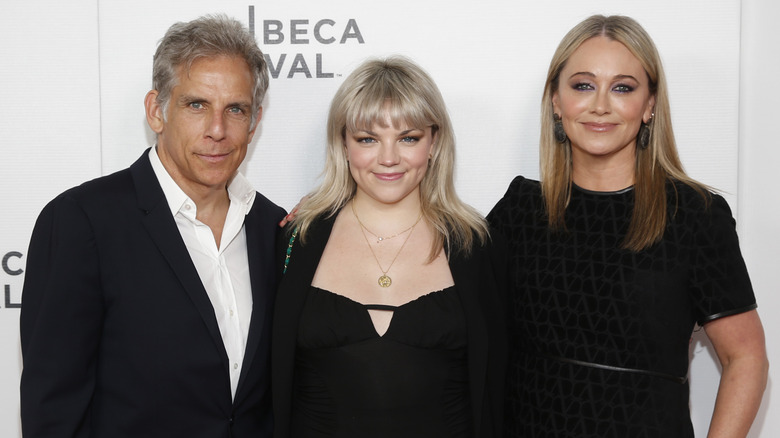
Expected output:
{"points": [[600, 335]]}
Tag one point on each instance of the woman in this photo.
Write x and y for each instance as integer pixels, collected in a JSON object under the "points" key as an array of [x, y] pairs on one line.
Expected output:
{"points": [[617, 255], [388, 318]]}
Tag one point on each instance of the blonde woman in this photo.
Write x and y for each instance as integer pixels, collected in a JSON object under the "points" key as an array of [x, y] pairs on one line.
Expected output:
{"points": [[388, 320], [617, 256]]}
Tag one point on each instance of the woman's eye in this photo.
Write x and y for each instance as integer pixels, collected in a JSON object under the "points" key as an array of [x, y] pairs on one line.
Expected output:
{"points": [[623, 88], [365, 140], [410, 139], [582, 86]]}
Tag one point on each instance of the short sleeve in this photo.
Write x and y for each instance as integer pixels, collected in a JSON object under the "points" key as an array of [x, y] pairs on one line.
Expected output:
{"points": [[720, 282]]}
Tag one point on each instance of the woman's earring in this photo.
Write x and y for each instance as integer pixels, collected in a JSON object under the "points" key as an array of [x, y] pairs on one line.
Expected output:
{"points": [[558, 132], [643, 136]]}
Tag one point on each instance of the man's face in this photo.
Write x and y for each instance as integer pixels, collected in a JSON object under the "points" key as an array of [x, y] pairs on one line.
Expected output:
{"points": [[204, 138]]}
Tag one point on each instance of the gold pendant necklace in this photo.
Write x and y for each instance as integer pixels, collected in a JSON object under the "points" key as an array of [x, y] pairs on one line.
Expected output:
{"points": [[384, 279]]}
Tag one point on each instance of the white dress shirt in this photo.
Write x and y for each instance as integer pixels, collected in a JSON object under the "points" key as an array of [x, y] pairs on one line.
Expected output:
{"points": [[224, 270]]}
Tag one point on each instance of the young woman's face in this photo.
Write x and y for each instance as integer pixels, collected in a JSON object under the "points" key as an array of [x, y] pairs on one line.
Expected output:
{"points": [[603, 96], [388, 162]]}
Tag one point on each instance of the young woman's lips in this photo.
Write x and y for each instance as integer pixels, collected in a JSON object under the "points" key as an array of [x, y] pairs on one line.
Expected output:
{"points": [[389, 176]]}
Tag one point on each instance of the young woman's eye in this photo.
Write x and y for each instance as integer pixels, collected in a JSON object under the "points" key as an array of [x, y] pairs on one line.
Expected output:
{"points": [[582, 86], [410, 139], [365, 140], [623, 88]]}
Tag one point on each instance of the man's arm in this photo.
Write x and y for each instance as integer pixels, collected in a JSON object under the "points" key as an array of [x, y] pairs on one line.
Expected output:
{"points": [[61, 321]]}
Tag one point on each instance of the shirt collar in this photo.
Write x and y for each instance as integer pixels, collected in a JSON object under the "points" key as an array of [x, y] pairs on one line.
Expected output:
{"points": [[239, 189]]}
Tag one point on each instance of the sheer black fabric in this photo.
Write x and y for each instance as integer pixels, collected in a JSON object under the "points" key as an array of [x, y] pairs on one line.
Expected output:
{"points": [[410, 382], [577, 296]]}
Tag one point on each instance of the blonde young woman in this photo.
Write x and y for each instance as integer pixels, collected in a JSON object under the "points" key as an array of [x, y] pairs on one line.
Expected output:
{"points": [[618, 255], [388, 320]]}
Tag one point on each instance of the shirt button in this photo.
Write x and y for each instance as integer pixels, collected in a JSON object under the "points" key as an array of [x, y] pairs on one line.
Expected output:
{"points": [[235, 366], [231, 312]]}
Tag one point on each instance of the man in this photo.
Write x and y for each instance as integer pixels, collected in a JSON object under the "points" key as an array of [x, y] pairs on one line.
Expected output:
{"points": [[147, 299]]}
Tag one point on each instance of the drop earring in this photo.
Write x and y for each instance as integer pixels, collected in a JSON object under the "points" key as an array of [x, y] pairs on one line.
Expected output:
{"points": [[558, 132], [643, 136]]}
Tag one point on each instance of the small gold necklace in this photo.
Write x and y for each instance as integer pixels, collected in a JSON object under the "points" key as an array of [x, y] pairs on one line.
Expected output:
{"points": [[379, 238], [384, 280]]}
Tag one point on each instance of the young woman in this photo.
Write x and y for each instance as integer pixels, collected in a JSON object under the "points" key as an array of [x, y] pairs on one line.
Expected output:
{"points": [[388, 320]]}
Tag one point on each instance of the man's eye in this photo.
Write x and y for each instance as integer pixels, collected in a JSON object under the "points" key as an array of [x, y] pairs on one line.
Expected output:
{"points": [[196, 105]]}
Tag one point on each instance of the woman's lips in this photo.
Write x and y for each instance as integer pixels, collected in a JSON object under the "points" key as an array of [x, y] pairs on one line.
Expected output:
{"points": [[599, 127], [389, 176]]}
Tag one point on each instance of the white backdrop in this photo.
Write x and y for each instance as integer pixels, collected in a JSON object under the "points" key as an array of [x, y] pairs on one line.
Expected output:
{"points": [[85, 66]]}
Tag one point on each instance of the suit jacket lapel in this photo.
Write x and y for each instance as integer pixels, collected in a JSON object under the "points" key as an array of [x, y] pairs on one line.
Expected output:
{"points": [[303, 264], [260, 250], [156, 217], [466, 272], [293, 289], [297, 280]]}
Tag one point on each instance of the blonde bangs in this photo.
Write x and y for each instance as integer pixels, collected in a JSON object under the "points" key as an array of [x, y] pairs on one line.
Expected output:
{"points": [[388, 95]]}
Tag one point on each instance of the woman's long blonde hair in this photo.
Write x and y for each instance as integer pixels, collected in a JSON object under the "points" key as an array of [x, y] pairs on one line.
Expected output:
{"points": [[655, 165], [400, 87]]}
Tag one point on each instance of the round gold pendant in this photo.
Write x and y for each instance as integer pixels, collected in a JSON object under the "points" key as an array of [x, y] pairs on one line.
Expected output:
{"points": [[385, 281]]}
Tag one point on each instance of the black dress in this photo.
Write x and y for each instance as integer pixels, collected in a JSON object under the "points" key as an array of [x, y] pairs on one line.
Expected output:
{"points": [[410, 382], [600, 335]]}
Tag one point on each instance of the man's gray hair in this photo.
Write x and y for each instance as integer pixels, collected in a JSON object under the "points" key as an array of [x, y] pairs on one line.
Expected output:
{"points": [[207, 36]]}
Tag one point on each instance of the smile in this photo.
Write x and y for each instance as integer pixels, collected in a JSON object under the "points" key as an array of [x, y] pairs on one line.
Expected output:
{"points": [[599, 127], [389, 176]]}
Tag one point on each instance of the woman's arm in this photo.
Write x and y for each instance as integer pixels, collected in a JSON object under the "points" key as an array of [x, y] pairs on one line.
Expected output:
{"points": [[740, 346]]}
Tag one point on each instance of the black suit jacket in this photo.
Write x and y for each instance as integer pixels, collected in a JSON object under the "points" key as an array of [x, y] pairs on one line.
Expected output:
{"points": [[481, 285], [119, 338]]}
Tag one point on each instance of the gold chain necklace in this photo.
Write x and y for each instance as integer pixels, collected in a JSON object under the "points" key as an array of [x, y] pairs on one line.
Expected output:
{"points": [[384, 280], [378, 237]]}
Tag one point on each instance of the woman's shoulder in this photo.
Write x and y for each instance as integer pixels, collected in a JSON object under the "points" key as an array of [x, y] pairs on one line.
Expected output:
{"points": [[313, 223], [694, 196], [698, 204], [521, 198], [520, 191], [521, 185]]}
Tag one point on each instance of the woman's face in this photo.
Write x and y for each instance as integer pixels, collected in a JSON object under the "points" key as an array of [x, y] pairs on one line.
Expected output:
{"points": [[603, 96], [388, 162]]}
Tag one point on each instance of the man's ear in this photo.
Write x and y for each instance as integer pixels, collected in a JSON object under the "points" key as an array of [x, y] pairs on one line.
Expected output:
{"points": [[257, 122], [154, 115]]}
